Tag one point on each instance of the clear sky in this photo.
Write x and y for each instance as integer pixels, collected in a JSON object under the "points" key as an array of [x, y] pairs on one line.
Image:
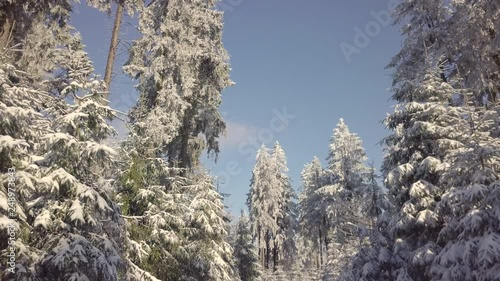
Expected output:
{"points": [[293, 79]]}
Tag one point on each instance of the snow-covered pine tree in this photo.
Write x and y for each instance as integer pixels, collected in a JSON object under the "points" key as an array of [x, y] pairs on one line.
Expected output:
{"points": [[374, 200], [341, 199], [346, 159], [423, 24], [263, 206], [471, 233], [424, 133], [373, 257], [73, 215], [272, 209], [208, 251], [155, 205], [245, 253], [177, 223], [373, 261], [470, 236], [63, 202], [21, 130], [313, 219], [182, 69], [284, 248], [477, 59]]}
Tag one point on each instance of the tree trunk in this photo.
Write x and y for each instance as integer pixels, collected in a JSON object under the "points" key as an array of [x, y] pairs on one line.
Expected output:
{"points": [[268, 250], [320, 247], [6, 33], [112, 50], [275, 257], [325, 236]]}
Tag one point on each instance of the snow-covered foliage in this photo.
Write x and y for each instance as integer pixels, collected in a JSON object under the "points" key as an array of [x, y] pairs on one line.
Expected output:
{"points": [[341, 198], [177, 224], [442, 158], [245, 252], [346, 158], [436, 218], [66, 219], [423, 137], [20, 132], [284, 242], [175, 215], [470, 207], [272, 210], [207, 244], [182, 69], [312, 215]]}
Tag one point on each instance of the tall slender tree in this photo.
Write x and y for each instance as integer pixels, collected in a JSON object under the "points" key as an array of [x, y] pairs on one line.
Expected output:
{"points": [[245, 253], [263, 206], [313, 219], [182, 68], [341, 199]]}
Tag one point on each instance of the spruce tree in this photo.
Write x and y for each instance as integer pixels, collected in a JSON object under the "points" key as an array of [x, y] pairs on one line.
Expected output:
{"points": [[313, 219], [341, 199], [246, 258]]}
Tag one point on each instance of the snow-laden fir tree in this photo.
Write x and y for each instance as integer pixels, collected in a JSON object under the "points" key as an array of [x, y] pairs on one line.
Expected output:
{"points": [[272, 210], [21, 130], [245, 253], [177, 220], [263, 206], [284, 241], [73, 216], [424, 133], [155, 205], [182, 68], [346, 159], [55, 119], [422, 23], [373, 257], [470, 233], [374, 199], [342, 198], [472, 44], [373, 260], [209, 254], [312, 217], [470, 236]]}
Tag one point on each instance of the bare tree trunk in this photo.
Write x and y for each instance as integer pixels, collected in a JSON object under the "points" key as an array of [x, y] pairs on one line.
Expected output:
{"points": [[268, 250], [112, 49], [320, 248], [6, 33], [275, 257]]}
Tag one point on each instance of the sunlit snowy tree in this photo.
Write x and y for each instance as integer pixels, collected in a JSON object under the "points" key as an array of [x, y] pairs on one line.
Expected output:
{"points": [[182, 69], [52, 99], [341, 199], [312, 215]]}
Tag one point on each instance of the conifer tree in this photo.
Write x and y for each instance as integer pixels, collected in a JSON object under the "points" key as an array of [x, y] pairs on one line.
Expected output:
{"points": [[341, 199], [56, 122], [313, 219], [246, 258]]}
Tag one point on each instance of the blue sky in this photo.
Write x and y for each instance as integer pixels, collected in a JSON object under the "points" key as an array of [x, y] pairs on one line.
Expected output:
{"points": [[285, 55]]}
